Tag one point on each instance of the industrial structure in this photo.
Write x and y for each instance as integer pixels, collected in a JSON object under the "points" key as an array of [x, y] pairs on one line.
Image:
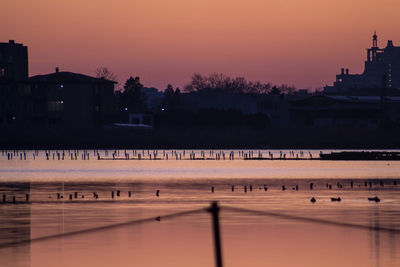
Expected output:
{"points": [[382, 70]]}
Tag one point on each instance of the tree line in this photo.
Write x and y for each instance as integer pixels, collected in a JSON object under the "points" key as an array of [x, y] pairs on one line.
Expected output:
{"points": [[132, 98], [219, 82]]}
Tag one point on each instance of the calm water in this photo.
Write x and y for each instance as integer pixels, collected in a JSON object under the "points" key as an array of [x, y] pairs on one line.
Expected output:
{"points": [[183, 184]]}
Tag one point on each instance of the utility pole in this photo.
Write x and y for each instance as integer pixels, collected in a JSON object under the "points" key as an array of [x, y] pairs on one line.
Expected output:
{"points": [[214, 210]]}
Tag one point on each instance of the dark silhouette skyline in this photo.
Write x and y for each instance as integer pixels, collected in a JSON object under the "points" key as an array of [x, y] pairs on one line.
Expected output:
{"points": [[74, 107]]}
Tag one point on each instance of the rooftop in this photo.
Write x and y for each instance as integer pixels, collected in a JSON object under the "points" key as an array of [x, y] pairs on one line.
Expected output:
{"points": [[351, 99], [11, 42], [68, 77]]}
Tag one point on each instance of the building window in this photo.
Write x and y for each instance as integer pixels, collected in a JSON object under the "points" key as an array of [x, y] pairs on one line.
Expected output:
{"points": [[55, 105], [27, 90]]}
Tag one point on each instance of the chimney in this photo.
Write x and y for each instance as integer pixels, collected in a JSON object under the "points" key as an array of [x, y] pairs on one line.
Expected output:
{"points": [[11, 42], [347, 71], [342, 71], [390, 43], [57, 70]]}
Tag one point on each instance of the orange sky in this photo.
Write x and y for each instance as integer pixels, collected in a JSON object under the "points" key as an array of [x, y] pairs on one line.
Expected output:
{"points": [[302, 43]]}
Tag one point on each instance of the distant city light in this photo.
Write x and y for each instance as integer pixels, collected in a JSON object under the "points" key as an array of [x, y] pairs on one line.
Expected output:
{"points": [[126, 109], [163, 109], [62, 85], [62, 102]]}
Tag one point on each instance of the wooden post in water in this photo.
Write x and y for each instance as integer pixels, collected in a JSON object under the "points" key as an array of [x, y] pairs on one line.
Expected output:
{"points": [[214, 210]]}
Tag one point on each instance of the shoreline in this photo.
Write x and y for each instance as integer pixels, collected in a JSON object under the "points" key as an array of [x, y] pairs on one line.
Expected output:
{"points": [[198, 138]]}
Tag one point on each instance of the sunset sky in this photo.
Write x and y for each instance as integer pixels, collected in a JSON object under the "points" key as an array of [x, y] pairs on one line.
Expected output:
{"points": [[302, 43]]}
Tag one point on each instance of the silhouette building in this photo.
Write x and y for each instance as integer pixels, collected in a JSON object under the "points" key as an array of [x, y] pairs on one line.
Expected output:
{"points": [[13, 74], [66, 99], [13, 61], [382, 70], [60, 99]]}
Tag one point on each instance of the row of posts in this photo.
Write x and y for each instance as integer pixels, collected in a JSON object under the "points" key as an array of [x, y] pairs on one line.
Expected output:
{"points": [[152, 155], [246, 188]]}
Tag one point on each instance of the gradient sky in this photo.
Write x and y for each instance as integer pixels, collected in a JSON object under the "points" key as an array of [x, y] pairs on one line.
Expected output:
{"points": [[302, 43]]}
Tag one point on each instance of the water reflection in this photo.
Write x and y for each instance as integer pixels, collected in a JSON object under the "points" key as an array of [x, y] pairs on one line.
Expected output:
{"points": [[15, 224], [47, 215], [184, 185]]}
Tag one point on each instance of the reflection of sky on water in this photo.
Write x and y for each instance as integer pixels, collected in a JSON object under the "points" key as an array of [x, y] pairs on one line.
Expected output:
{"points": [[43, 170], [187, 241]]}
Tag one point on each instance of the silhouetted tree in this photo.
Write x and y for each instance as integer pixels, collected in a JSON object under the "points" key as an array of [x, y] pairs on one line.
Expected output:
{"points": [[104, 72], [275, 91], [133, 86], [171, 97], [169, 91], [259, 88], [287, 90], [218, 82], [133, 98], [198, 83]]}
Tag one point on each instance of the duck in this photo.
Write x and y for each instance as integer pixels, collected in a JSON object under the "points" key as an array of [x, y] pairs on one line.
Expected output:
{"points": [[376, 199]]}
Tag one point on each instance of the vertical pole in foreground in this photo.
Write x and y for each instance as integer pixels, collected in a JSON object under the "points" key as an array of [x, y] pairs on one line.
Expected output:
{"points": [[214, 210]]}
